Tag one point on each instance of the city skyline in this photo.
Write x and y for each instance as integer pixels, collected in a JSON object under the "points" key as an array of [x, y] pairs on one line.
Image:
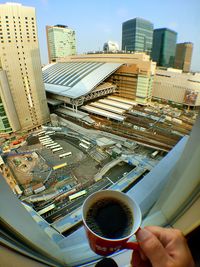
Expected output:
{"points": [[97, 23]]}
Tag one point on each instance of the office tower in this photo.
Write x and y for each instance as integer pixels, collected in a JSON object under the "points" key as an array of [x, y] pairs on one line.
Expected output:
{"points": [[61, 42], [137, 35], [183, 56], [164, 47], [23, 102]]}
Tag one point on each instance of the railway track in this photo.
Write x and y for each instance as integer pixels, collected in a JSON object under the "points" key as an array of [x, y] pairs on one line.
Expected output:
{"points": [[159, 141], [156, 134]]}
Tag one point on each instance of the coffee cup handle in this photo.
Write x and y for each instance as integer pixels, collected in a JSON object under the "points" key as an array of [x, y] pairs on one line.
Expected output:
{"points": [[132, 245]]}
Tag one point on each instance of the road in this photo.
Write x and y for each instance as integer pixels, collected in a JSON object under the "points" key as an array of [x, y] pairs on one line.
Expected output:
{"points": [[67, 207]]}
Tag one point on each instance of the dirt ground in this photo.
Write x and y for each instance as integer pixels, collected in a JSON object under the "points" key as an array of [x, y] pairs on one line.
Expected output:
{"points": [[86, 170], [29, 172], [22, 167]]}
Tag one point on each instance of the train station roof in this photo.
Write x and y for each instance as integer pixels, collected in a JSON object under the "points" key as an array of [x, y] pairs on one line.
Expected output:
{"points": [[103, 113], [76, 79]]}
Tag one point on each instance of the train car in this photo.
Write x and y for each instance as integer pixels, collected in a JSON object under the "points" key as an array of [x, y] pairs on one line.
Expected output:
{"points": [[84, 146], [154, 154], [77, 195], [46, 209], [85, 142]]}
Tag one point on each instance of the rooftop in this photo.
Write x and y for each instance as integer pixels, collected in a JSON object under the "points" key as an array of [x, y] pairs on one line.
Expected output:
{"points": [[75, 79]]}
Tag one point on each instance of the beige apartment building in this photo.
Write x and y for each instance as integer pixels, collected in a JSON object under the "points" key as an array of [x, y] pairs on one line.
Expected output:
{"points": [[23, 102], [183, 56], [61, 42], [174, 86], [134, 78]]}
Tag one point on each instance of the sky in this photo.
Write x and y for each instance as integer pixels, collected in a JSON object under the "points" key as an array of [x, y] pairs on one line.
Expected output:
{"points": [[98, 21]]}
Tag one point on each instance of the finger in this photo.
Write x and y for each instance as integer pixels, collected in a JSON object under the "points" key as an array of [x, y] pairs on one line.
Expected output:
{"points": [[166, 235], [142, 255], [152, 247], [171, 240], [137, 261]]}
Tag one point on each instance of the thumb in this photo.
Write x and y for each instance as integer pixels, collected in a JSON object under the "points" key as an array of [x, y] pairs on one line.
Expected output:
{"points": [[152, 247]]}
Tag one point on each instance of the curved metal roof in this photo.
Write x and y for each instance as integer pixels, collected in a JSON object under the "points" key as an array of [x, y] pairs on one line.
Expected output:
{"points": [[75, 79]]}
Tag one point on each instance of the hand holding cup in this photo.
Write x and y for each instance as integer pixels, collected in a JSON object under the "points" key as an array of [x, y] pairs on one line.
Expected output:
{"points": [[110, 219]]}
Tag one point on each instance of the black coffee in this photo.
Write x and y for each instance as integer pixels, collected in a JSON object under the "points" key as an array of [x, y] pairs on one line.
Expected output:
{"points": [[110, 218]]}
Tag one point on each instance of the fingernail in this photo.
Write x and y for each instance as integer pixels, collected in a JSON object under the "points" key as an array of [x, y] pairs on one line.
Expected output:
{"points": [[142, 234]]}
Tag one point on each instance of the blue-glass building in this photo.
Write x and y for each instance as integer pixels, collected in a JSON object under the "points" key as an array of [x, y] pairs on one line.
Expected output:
{"points": [[137, 35], [164, 47]]}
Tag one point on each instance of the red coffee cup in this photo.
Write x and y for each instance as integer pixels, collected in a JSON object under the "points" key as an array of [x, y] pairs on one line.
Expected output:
{"points": [[106, 246]]}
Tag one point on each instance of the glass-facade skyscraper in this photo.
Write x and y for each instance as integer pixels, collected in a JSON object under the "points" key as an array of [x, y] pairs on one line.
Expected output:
{"points": [[137, 35], [164, 47]]}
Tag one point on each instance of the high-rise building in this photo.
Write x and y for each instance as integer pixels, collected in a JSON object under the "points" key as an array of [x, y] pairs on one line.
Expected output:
{"points": [[137, 35], [61, 42], [183, 56], [23, 103], [164, 47]]}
